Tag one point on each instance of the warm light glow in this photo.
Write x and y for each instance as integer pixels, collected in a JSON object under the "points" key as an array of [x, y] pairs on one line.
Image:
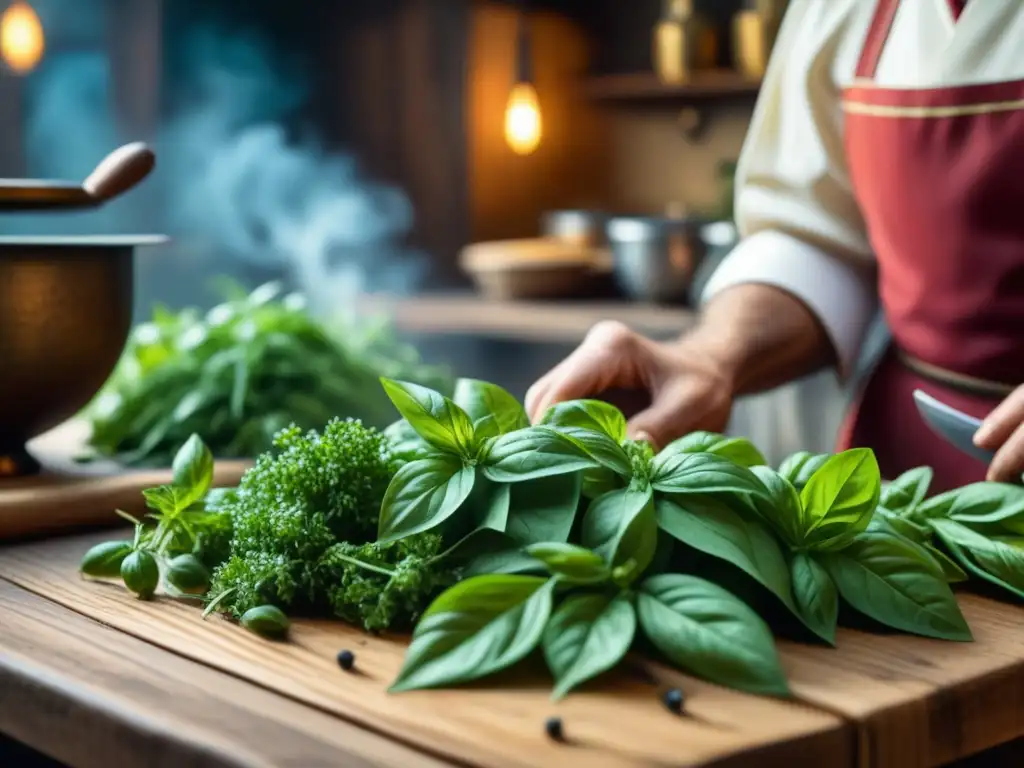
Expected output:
{"points": [[523, 126], [21, 37]]}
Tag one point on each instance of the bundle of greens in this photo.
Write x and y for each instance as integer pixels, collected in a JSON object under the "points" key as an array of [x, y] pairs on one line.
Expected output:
{"points": [[305, 520], [186, 533], [494, 539], [607, 560], [251, 367], [979, 528]]}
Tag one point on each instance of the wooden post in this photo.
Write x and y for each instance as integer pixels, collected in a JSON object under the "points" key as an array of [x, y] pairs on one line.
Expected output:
{"points": [[12, 133]]}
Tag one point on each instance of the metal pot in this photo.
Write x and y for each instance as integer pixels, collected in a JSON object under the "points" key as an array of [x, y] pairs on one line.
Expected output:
{"points": [[65, 315], [654, 258], [65, 305]]}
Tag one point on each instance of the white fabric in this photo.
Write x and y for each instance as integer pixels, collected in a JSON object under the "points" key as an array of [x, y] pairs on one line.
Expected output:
{"points": [[801, 228]]}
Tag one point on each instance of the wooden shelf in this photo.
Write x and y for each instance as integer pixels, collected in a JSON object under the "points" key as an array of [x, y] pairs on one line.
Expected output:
{"points": [[546, 322], [645, 87]]}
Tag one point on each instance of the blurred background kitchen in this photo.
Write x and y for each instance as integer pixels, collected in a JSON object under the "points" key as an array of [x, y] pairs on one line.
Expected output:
{"points": [[491, 177]]}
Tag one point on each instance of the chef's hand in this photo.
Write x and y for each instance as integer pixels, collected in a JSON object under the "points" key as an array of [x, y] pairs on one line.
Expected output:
{"points": [[689, 390], [1003, 432]]}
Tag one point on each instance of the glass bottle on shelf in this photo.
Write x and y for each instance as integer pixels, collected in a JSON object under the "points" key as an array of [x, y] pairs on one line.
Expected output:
{"points": [[684, 41]]}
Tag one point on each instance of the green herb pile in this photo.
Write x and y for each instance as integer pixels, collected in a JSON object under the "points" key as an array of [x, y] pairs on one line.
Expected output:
{"points": [[247, 369], [498, 540], [305, 520]]}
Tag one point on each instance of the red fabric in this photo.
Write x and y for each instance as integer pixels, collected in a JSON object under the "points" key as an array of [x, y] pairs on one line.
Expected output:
{"points": [[957, 6], [941, 197]]}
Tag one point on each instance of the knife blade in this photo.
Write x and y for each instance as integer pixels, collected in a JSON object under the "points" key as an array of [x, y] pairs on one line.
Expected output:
{"points": [[955, 427]]}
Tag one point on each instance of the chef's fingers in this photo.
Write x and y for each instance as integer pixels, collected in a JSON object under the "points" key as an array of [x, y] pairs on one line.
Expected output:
{"points": [[1008, 464], [1001, 423], [606, 358], [681, 406]]}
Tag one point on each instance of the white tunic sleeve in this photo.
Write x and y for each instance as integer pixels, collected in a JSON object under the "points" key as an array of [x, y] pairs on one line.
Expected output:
{"points": [[800, 225]]}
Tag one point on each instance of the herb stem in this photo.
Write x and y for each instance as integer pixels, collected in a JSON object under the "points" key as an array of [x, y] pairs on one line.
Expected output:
{"points": [[362, 564]]}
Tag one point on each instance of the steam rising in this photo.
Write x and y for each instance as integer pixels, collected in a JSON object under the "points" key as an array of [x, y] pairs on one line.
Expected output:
{"points": [[232, 185]]}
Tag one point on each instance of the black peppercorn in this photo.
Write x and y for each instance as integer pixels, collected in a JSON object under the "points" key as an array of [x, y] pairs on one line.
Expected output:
{"points": [[553, 727], [674, 700], [346, 659]]}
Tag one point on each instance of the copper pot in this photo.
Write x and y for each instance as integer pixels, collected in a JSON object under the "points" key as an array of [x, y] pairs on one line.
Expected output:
{"points": [[65, 305]]}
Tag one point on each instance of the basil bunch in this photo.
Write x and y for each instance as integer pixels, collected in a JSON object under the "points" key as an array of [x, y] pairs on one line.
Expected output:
{"points": [[823, 512], [980, 526], [509, 493]]}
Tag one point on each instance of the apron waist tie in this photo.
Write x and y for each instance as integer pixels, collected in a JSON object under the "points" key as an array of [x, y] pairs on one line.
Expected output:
{"points": [[967, 384]]}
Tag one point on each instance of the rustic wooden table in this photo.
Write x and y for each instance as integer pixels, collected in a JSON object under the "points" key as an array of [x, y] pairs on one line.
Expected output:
{"points": [[90, 675]]}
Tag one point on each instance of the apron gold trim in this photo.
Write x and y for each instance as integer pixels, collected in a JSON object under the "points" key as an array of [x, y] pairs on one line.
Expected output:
{"points": [[959, 381], [884, 110]]}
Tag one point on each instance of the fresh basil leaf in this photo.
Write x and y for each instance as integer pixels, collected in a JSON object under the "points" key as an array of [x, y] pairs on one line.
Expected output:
{"points": [[192, 470], [703, 473], [478, 627], [710, 526], [815, 595], [737, 449], [484, 512], [543, 510], [994, 561], [166, 499], [995, 506], [571, 563], [904, 526], [601, 480], [422, 495], [780, 505], [886, 578], [798, 468], [587, 635], [594, 415], [621, 526], [528, 454], [492, 409], [405, 442], [950, 568], [908, 490], [435, 418], [495, 553], [709, 633], [603, 449], [840, 499]]}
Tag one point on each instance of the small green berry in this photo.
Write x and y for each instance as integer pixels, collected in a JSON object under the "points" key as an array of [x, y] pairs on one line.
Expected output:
{"points": [[141, 574], [266, 620], [346, 659], [104, 560], [186, 573]]}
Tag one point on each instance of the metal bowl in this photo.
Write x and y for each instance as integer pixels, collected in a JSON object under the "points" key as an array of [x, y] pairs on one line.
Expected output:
{"points": [[65, 314], [655, 258]]}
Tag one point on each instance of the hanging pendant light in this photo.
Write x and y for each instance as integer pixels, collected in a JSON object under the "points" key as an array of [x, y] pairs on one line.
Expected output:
{"points": [[22, 41], [523, 124]]}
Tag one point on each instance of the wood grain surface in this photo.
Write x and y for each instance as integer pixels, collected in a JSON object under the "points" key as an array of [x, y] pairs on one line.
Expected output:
{"points": [[618, 724], [93, 697], [68, 494]]}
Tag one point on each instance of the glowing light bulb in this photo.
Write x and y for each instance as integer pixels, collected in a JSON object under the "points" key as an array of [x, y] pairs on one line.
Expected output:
{"points": [[21, 37], [523, 125]]}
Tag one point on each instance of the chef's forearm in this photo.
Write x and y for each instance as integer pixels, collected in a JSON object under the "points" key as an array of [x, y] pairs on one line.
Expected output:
{"points": [[761, 337]]}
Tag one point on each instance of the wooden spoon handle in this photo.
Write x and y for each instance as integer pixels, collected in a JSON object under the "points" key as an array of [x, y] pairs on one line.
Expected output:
{"points": [[119, 171]]}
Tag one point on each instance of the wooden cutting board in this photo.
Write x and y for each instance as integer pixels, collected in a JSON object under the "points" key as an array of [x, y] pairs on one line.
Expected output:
{"points": [[618, 723], [69, 494], [878, 701]]}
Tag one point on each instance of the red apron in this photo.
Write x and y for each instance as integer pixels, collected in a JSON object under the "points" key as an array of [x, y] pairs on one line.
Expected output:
{"points": [[939, 176]]}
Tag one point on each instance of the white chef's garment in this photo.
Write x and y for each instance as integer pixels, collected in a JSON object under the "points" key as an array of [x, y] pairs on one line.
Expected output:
{"points": [[801, 227]]}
